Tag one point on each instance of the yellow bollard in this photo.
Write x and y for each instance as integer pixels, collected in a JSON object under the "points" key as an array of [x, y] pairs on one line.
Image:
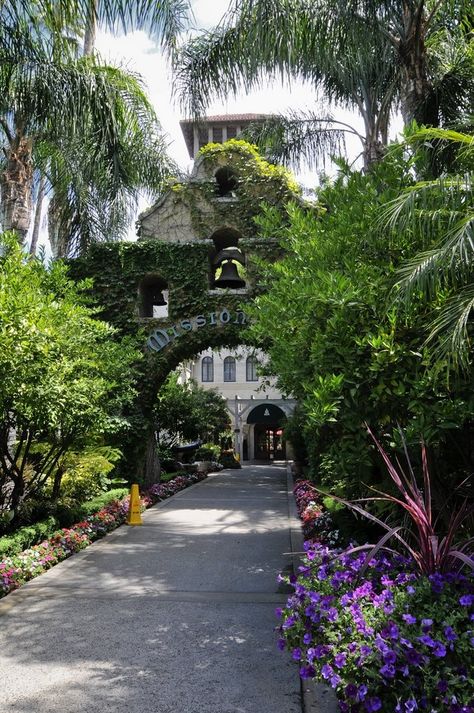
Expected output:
{"points": [[134, 516]]}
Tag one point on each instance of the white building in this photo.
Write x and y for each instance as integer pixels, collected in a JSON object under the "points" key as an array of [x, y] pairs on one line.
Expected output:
{"points": [[257, 408]]}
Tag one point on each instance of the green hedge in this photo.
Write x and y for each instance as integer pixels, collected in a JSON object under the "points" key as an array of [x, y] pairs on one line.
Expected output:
{"points": [[64, 516]]}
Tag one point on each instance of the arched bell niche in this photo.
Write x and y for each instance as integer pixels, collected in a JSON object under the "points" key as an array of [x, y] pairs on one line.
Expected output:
{"points": [[226, 181], [153, 295], [227, 260]]}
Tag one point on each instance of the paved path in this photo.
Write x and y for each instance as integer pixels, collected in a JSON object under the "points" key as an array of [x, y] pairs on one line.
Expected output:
{"points": [[175, 616]]}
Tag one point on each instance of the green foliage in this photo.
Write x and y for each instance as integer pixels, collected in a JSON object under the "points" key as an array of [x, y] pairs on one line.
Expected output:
{"points": [[340, 349], [188, 412], [228, 460], [86, 473], [62, 516], [65, 380], [208, 451]]}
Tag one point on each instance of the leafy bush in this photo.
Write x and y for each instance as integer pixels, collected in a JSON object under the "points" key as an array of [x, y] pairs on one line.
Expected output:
{"points": [[86, 473], [228, 460], [166, 477], [395, 641], [63, 515], [208, 451]]}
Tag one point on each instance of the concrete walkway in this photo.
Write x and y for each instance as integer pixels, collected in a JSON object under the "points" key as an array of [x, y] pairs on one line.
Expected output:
{"points": [[175, 616]]}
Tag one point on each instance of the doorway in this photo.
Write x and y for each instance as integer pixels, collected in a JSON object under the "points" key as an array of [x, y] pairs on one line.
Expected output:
{"points": [[269, 443]]}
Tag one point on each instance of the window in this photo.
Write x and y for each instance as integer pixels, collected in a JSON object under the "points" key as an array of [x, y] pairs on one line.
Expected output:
{"points": [[207, 369], [251, 368], [229, 369], [203, 136], [226, 182], [231, 132], [153, 294], [217, 134]]}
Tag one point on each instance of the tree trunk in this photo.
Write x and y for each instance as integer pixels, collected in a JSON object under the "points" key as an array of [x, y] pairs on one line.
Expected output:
{"points": [[152, 462], [56, 232], [16, 183], [91, 29], [417, 102], [37, 221], [58, 476]]}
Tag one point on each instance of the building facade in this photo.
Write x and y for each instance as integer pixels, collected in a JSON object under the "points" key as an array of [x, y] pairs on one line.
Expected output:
{"points": [[257, 409]]}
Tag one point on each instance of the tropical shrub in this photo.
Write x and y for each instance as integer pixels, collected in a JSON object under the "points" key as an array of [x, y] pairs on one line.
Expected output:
{"points": [[392, 640], [65, 380], [345, 353]]}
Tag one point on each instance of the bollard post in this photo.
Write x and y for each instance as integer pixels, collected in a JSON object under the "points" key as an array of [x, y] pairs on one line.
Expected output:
{"points": [[134, 516]]}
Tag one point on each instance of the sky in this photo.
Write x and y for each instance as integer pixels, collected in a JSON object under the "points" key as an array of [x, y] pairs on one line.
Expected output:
{"points": [[137, 52]]}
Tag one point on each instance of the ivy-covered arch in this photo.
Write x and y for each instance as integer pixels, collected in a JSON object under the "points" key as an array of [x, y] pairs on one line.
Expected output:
{"points": [[174, 247]]}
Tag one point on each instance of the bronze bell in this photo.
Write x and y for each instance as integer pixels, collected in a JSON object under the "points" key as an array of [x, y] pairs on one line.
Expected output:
{"points": [[156, 296], [229, 277]]}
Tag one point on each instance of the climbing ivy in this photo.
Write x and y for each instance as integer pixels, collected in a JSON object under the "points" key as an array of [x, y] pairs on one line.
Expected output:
{"points": [[117, 270]]}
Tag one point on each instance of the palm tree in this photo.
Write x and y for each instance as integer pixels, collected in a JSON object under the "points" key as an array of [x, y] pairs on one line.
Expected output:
{"points": [[443, 274], [51, 100], [364, 54]]}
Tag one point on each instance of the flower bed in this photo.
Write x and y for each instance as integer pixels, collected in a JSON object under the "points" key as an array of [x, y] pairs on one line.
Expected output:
{"points": [[391, 640], [383, 635], [316, 522], [19, 568]]}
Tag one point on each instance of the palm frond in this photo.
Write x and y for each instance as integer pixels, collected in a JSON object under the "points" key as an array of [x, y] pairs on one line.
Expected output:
{"points": [[297, 138]]}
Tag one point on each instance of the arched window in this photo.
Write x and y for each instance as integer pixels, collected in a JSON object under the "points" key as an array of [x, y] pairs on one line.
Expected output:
{"points": [[226, 182], [153, 293], [207, 369], [251, 368], [229, 369]]}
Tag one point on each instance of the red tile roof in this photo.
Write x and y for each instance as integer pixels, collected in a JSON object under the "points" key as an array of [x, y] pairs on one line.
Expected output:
{"points": [[226, 118]]}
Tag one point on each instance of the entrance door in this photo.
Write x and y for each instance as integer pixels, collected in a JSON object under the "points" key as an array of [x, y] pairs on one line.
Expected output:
{"points": [[269, 444]]}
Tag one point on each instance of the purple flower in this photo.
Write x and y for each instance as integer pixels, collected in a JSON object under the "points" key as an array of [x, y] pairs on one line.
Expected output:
{"points": [[281, 644], [351, 690], [340, 660], [449, 633], [390, 631], [296, 654], [389, 657], [467, 600], [362, 692], [373, 704], [442, 685], [335, 680], [388, 671], [307, 672], [439, 649], [411, 705], [427, 640], [327, 671]]}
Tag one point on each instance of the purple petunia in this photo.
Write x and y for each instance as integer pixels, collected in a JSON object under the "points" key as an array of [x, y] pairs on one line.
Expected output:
{"points": [[373, 704]]}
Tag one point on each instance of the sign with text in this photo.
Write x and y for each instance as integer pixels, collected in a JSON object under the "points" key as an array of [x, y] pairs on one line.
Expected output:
{"points": [[161, 338]]}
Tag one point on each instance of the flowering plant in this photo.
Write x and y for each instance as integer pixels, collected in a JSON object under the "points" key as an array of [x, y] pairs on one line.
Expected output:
{"points": [[397, 641], [19, 568], [317, 522]]}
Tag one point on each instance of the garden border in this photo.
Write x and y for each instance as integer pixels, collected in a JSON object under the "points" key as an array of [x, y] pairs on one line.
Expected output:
{"points": [[316, 697]]}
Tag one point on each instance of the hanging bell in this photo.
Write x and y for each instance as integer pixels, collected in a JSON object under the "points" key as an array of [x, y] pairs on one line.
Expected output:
{"points": [[156, 297], [229, 277]]}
